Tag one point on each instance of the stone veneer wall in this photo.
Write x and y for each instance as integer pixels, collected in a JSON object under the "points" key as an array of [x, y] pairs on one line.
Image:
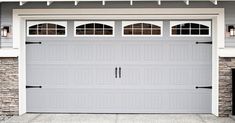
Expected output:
{"points": [[9, 86], [225, 85]]}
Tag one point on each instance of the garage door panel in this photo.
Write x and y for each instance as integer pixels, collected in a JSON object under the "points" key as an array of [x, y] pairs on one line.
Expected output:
{"points": [[141, 52], [52, 52], [149, 75], [203, 101], [94, 52], [202, 53], [144, 75], [178, 104], [180, 75], [47, 53], [54, 55], [191, 99], [180, 52], [33, 54], [202, 75], [49, 75], [52, 76], [106, 100], [93, 75]]}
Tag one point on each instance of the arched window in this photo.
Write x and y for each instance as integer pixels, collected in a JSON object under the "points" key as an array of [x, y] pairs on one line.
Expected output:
{"points": [[94, 28], [142, 28], [194, 28], [40, 28]]}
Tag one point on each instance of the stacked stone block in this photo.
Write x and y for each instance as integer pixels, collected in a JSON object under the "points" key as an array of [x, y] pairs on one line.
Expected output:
{"points": [[9, 97], [225, 85]]}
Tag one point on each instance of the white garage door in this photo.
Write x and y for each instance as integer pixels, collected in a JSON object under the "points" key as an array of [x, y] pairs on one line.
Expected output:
{"points": [[97, 70]]}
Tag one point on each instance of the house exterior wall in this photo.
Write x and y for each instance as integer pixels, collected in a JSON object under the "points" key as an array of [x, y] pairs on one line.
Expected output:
{"points": [[9, 66], [9, 99]]}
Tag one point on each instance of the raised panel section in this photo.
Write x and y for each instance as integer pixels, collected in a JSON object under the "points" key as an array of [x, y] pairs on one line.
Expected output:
{"points": [[56, 52], [180, 52], [71, 76], [139, 52], [202, 53], [94, 52]]}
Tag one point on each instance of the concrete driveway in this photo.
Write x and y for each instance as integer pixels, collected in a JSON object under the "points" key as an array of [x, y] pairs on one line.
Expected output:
{"points": [[118, 118]]}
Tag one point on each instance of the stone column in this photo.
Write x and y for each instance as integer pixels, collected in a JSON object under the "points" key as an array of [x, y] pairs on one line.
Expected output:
{"points": [[9, 97], [225, 85]]}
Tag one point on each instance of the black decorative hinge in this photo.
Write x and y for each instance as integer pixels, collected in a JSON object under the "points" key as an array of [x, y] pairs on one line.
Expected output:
{"points": [[203, 42], [33, 42], [33, 86], [203, 87]]}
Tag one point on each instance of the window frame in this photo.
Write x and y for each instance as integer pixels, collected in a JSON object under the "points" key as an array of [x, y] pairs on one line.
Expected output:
{"points": [[206, 23], [158, 23], [61, 23], [109, 23]]}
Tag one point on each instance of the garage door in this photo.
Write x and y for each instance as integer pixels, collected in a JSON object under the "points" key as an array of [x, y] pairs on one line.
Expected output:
{"points": [[119, 66]]}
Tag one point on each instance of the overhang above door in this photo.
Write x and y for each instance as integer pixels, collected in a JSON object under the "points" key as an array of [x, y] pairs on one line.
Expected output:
{"points": [[76, 2]]}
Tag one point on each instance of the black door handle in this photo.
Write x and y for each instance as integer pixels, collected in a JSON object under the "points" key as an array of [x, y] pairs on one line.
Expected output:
{"points": [[33, 42], [33, 86], [120, 72], [203, 87], [116, 70], [203, 42]]}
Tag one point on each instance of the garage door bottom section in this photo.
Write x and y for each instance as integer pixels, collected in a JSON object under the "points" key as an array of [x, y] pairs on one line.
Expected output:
{"points": [[118, 101]]}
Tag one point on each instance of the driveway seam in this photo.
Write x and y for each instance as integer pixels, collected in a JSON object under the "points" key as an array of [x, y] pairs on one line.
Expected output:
{"points": [[30, 121], [201, 118], [116, 119]]}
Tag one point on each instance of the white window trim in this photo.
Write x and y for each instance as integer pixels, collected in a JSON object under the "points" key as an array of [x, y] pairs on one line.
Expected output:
{"points": [[31, 23], [206, 23], [79, 23], [158, 23]]}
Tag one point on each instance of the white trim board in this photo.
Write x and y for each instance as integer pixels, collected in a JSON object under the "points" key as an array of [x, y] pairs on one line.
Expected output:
{"points": [[9, 52], [227, 52], [21, 15]]}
